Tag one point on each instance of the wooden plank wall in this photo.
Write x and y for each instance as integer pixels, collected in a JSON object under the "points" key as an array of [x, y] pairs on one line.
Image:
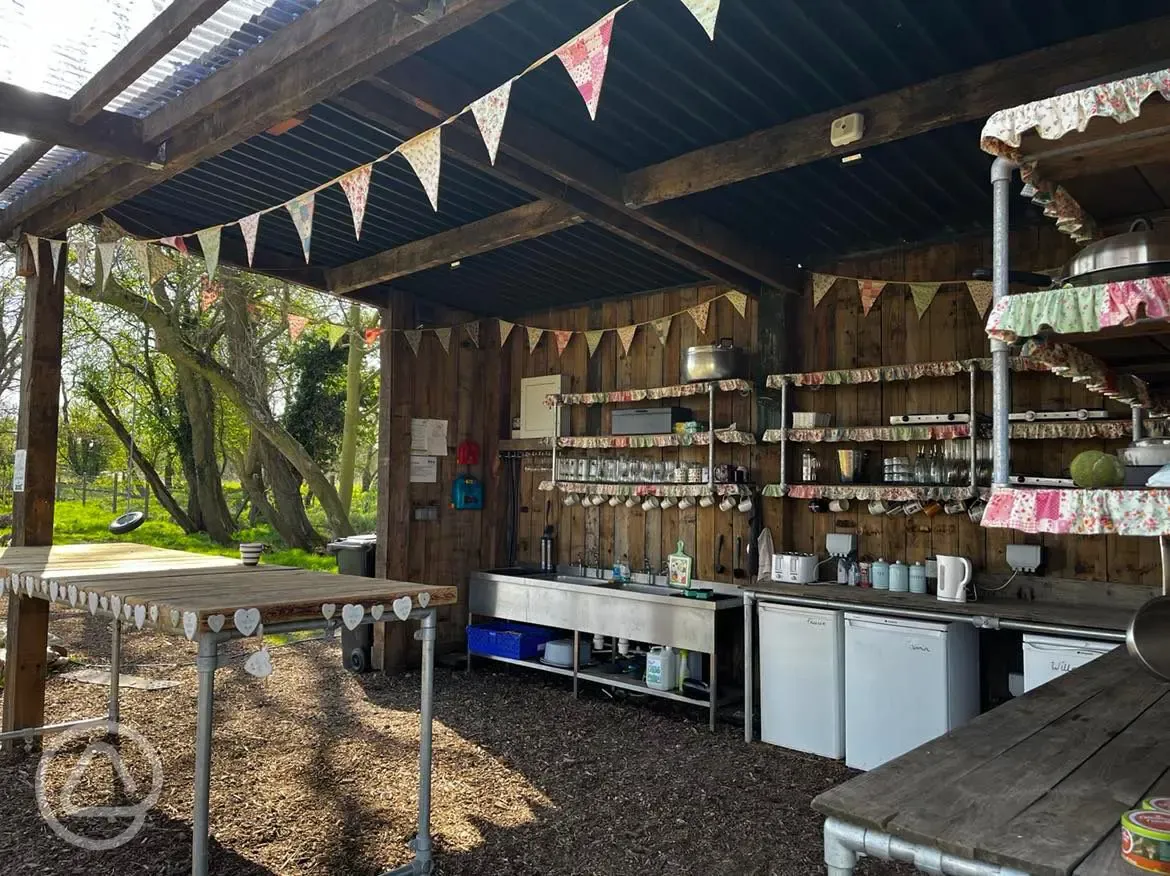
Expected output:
{"points": [[841, 336]]}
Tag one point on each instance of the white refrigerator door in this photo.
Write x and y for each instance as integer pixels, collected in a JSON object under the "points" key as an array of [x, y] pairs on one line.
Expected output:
{"points": [[802, 678], [1049, 657], [895, 687]]}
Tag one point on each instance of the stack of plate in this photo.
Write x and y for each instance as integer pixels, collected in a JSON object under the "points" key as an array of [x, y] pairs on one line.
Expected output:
{"points": [[897, 470]]}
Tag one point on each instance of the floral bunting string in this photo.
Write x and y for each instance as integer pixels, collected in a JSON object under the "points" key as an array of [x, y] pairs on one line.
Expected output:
{"points": [[738, 301], [356, 185], [593, 339], [585, 59], [82, 254], [534, 336], [473, 333], [210, 294], [444, 336], [981, 294], [34, 244], [869, 291], [705, 11], [301, 211], [105, 257], [55, 247], [923, 294], [141, 253], [562, 337], [175, 241], [334, 333], [413, 338], [296, 325], [489, 112], [700, 313], [209, 242], [821, 284], [371, 335], [425, 155], [626, 336], [662, 328], [249, 225], [161, 264], [505, 330]]}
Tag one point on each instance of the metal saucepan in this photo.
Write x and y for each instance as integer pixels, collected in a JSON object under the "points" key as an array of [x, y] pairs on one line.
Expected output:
{"points": [[1148, 635]]}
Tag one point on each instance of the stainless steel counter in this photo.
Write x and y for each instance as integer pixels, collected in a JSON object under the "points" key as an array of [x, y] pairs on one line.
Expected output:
{"points": [[639, 612]]}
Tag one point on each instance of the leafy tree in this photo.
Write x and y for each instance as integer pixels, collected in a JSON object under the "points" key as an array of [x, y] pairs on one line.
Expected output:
{"points": [[316, 414]]}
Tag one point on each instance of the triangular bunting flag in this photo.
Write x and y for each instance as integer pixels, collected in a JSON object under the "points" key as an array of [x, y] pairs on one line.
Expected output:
{"points": [[626, 336], [562, 336], [296, 325], [82, 245], [209, 243], [425, 154], [592, 339], [141, 253], [356, 185], [869, 291], [34, 244], [413, 338], [334, 333], [110, 231], [161, 264], [981, 293], [371, 335], [923, 294], [105, 255], [705, 11], [700, 313], [505, 330], [821, 284], [249, 225], [301, 211], [490, 112], [444, 336], [175, 242], [55, 247], [738, 301], [662, 328], [210, 294], [534, 336], [585, 59], [473, 332]]}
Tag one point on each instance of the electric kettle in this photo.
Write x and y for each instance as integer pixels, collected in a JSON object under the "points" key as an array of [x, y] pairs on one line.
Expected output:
{"points": [[954, 574]]}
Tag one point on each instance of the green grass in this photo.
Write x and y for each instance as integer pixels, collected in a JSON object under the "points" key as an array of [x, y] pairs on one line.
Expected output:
{"points": [[75, 523]]}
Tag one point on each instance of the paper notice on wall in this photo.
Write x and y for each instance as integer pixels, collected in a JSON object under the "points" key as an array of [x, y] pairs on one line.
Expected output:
{"points": [[428, 437], [19, 462], [424, 469]]}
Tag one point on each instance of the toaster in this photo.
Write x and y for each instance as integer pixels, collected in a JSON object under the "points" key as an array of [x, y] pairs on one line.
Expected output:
{"points": [[795, 568]]}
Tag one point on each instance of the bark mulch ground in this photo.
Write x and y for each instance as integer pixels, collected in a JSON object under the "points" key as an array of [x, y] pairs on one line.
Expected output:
{"points": [[315, 772]]}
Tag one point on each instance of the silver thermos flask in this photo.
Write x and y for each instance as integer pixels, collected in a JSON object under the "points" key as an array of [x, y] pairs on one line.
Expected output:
{"points": [[547, 550]]}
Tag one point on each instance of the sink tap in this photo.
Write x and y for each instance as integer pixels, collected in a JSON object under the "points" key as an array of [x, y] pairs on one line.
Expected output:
{"points": [[647, 569], [665, 572], [581, 564], [593, 557]]}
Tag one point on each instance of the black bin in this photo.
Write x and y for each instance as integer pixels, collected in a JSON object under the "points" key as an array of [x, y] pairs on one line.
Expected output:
{"points": [[355, 556]]}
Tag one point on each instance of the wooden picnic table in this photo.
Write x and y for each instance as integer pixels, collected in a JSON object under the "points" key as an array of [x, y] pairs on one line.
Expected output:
{"points": [[211, 600], [1036, 786]]}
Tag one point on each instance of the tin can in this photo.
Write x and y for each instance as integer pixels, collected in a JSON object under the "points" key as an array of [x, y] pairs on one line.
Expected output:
{"points": [[1159, 804], [1145, 839], [863, 575]]}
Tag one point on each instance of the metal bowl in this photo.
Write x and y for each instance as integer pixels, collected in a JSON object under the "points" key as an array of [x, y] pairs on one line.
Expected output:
{"points": [[1147, 451], [1143, 251], [1148, 636]]}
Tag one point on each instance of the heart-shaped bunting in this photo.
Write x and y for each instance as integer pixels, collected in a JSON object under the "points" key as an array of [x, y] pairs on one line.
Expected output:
{"points": [[402, 606], [246, 620], [215, 622], [351, 615]]}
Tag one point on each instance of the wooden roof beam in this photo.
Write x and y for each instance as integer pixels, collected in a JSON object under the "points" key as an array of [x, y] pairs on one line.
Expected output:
{"points": [[948, 100], [327, 49], [438, 93], [40, 116], [503, 229], [20, 160]]}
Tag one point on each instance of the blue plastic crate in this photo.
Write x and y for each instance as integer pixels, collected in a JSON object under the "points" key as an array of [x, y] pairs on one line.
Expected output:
{"points": [[506, 639]]}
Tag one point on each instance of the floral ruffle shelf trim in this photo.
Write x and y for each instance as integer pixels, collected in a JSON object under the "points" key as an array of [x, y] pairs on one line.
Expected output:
{"points": [[1052, 118], [886, 373], [864, 493], [1080, 367], [670, 439], [1083, 309], [676, 491], [1072, 430], [1080, 512], [636, 395]]}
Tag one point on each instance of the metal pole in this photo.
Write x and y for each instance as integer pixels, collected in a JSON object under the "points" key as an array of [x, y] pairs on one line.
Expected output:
{"points": [[711, 437], [1135, 412], [1001, 179], [974, 436], [576, 657], [712, 690], [206, 663], [749, 667], [1164, 549], [422, 842], [783, 437], [115, 673], [556, 439]]}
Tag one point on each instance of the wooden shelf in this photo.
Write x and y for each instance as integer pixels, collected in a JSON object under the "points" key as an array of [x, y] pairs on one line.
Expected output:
{"points": [[684, 390], [651, 442], [676, 491], [870, 492], [1073, 430], [887, 373], [525, 445]]}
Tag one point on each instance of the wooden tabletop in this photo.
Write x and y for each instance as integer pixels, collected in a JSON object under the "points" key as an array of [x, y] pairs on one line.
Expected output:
{"points": [[1038, 784], [1087, 617], [177, 592]]}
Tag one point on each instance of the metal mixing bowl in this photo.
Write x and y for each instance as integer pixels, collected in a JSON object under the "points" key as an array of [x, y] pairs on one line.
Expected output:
{"points": [[1148, 636]]}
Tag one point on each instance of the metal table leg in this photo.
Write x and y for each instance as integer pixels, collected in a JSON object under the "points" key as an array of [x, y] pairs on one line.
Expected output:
{"points": [[206, 663], [749, 667], [576, 659], [713, 692], [115, 674]]}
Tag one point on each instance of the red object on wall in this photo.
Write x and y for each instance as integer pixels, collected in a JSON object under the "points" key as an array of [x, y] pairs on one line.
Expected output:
{"points": [[467, 453]]}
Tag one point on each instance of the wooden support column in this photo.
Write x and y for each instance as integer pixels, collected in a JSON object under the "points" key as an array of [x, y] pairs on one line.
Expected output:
{"points": [[32, 512], [394, 413]]}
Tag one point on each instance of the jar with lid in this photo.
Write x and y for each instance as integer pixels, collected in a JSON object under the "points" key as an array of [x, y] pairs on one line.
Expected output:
{"points": [[810, 466], [879, 575], [899, 577], [918, 578]]}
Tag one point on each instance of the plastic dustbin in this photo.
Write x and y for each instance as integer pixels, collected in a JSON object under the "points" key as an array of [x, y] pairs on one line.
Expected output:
{"points": [[355, 556]]}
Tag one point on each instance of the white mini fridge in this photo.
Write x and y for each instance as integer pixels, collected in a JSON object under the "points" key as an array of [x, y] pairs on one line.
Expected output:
{"points": [[906, 682], [802, 679], [1049, 657]]}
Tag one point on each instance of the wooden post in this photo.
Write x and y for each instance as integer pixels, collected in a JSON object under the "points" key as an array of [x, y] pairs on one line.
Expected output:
{"points": [[32, 511], [394, 414]]}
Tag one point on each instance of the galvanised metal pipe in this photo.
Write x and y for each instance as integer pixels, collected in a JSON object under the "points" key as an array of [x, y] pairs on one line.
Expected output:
{"points": [[845, 842], [1135, 412], [115, 673], [749, 666], [1001, 179], [207, 662], [974, 430], [783, 437]]}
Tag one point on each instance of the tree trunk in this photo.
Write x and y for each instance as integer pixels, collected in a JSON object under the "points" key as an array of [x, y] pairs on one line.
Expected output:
{"points": [[205, 482], [285, 482], [353, 397], [148, 471]]}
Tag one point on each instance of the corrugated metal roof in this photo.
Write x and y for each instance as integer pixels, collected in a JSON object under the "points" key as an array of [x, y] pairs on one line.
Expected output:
{"points": [[60, 58]]}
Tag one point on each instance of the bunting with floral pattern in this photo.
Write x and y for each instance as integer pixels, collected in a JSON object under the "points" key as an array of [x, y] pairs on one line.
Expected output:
{"points": [[209, 242], [923, 294], [472, 329], [592, 339], [869, 291], [296, 325], [700, 313], [562, 338], [55, 248], [105, 256], [534, 336], [356, 185], [505, 330], [821, 284], [489, 112], [413, 339], [662, 328], [425, 155], [444, 336], [249, 225], [705, 12], [586, 58], [626, 336], [301, 211]]}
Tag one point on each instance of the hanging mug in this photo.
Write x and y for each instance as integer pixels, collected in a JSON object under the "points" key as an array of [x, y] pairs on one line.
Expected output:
{"points": [[685, 503], [955, 506], [975, 512], [745, 505], [727, 504], [571, 500], [667, 503], [706, 501], [878, 508], [614, 501], [839, 506], [631, 502], [650, 504], [912, 508]]}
